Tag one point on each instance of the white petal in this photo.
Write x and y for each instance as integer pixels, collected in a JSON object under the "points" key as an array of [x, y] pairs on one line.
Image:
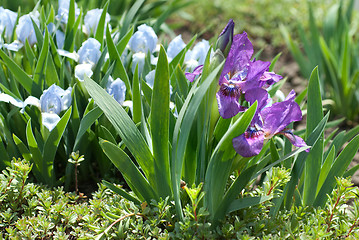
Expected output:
{"points": [[175, 47], [32, 101], [9, 99], [14, 46], [73, 55], [83, 69], [50, 120], [138, 59]]}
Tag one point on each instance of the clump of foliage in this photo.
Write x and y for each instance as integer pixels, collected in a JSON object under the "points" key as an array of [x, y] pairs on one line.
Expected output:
{"points": [[331, 43], [33, 211]]}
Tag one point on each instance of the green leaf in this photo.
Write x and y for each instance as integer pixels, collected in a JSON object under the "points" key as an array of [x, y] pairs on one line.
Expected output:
{"points": [[105, 134], [33, 147], [101, 25], [247, 202], [30, 53], [237, 186], [182, 130], [274, 61], [220, 163], [326, 168], [85, 123], [121, 46], [297, 169], [136, 98], [39, 75], [124, 125], [340, 164], [160, 110], [21, 76], [315, 157], [51, 73], [70, 31], [38, 33], [129, 170], [27, 156], [50, 147], [182, 82], [119, 70], [121, 192], [129, 18]]}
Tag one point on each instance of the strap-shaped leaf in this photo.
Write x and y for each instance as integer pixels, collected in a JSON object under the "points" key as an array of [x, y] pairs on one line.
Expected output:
{"points": [[119, 70], [21, 76], [33, 146], [129, 170], [136, 98], [27, 156], [130, 16], [247, 202], [39, 74], [337, 170], [160, 110], [219, 166], [314, 159], [121, 192], [100, 30], [51, 145], [124, 125], [85, 123], [182, 131], [121, 46]]}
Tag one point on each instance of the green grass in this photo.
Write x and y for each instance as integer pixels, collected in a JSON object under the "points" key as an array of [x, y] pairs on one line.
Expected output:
{"points": [[259, 18]]}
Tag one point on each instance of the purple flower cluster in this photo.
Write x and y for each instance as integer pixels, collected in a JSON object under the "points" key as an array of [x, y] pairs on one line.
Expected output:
{"points": [[243, 81]]}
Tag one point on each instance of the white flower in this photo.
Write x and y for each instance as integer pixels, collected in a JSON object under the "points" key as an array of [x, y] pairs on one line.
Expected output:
{"points": [[150, 78], [197, 55], [51, 103], [25, 28], [92, 19], [144, 40], [138, 59], [89, 52], [60, 39], [83, 69], [7, 22], [63, 11], [175, 47], [117, 89], [55, 99]]}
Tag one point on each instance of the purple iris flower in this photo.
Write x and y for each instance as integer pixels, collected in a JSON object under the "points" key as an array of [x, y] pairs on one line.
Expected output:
{"points": [[268, 121], [239, 75]]}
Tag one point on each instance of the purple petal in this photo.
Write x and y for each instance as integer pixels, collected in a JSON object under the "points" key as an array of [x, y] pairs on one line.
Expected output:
{"points": [[248, 146], [278, 116], [228, 106], [295, 140], [239, 55], [257, 94], [269, 78], [291, 96], [256, 69], [197, 71]]}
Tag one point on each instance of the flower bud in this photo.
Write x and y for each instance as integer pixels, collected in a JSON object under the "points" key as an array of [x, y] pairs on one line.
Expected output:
{"points": [[225, 39]]}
